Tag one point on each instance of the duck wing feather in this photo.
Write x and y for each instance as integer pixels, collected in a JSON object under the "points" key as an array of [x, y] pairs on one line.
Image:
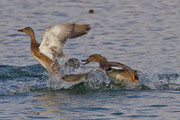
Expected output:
{"points": [[55, 37]]}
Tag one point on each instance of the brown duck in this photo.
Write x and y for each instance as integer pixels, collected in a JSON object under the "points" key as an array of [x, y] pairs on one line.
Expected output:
{"points": [[115, 70], [119, 72], [52, 43]]}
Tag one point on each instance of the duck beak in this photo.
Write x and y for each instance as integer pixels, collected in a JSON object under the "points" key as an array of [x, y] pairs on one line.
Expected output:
{"points": [[84, 62], [20, 30]]}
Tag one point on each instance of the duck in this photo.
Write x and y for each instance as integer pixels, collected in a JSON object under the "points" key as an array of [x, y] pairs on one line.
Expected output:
{"points": [[120, 73], [53, 40]]}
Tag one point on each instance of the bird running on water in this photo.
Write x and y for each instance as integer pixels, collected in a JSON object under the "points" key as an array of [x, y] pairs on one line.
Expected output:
{"points": [[52, 43], [119, 72]]}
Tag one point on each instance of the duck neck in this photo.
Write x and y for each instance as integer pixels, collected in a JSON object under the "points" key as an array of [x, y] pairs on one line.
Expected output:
{"points": [[34, 44], [33, 39], [103, 64]]}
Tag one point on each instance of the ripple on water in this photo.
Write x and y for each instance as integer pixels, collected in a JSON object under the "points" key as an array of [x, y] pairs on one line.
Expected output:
{"points": [[117, 113], [158, 106], [143, 116]]}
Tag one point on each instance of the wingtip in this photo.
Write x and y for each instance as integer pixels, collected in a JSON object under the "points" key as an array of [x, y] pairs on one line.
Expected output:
{"points": [[85, 27], [88, 27]]}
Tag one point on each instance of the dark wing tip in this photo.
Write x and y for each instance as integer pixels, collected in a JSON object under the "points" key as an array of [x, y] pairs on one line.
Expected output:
{"points": [[80, 29]]}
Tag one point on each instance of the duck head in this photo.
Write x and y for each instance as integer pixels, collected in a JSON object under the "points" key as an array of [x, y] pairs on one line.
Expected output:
{"points": [[27, 30], [103, 63], [93, 58]]}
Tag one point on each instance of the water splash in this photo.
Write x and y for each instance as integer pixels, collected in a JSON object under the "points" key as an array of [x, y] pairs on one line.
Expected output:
{"points": [[161, 81], [18, 87], [55, 82], [97, 79], [17, 80]]}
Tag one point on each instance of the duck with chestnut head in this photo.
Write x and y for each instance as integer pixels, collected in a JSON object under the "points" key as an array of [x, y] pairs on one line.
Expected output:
{"points": [[119, 72]]}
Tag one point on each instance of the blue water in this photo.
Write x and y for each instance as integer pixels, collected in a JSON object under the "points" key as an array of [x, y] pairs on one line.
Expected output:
{"points": [[143, 34]]}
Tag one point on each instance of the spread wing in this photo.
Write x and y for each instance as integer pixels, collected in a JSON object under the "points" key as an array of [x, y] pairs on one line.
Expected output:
{"points": [[75, 78], [55, 37]]}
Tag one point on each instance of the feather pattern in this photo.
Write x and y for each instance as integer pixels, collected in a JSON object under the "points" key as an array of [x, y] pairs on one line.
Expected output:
{"points": [[54, 38], [52, 43]]}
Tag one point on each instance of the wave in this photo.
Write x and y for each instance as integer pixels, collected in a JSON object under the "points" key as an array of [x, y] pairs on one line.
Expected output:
{"points": [[15, 80], [18, 80], [166, 81]]}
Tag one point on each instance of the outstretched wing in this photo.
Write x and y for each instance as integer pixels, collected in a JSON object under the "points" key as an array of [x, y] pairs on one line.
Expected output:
{"points": [[55, 37], [75, 78]]}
